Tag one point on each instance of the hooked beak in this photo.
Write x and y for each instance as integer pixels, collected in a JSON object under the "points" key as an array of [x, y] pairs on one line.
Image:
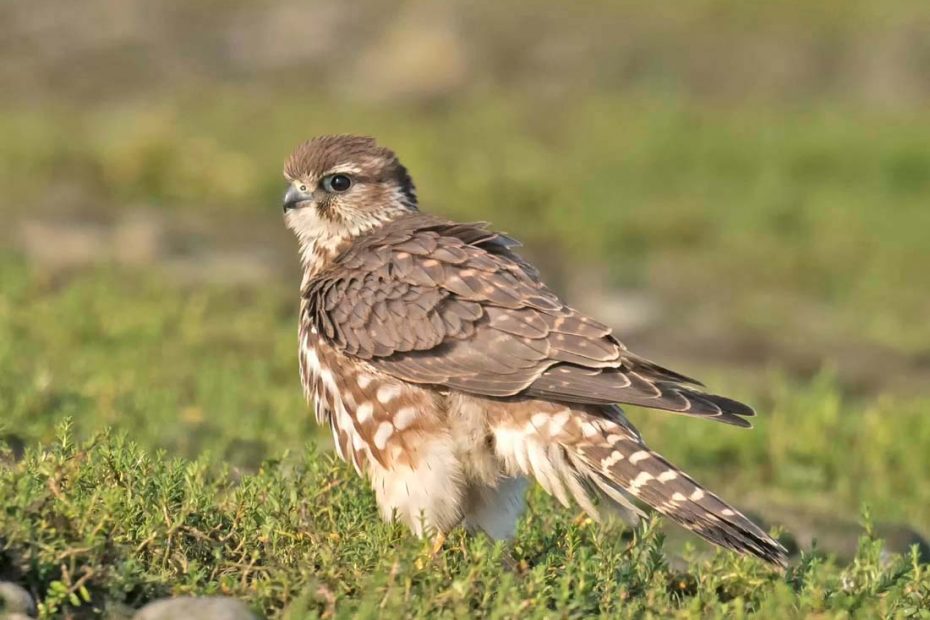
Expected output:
{"points": [[294, 197]]}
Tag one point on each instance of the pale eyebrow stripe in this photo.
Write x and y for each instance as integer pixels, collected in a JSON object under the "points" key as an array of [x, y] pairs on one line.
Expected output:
{"points": [[343, 168]]}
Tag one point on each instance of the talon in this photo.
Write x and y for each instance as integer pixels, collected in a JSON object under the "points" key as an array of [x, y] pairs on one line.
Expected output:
{"points": [[438, 541]]}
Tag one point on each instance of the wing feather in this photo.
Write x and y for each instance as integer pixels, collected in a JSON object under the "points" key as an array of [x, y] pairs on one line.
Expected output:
{"points": [[434, 302]]}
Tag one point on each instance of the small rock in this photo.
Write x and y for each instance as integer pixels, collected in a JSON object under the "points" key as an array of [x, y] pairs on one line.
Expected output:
{"points": [[15, 601], [196, 608]]}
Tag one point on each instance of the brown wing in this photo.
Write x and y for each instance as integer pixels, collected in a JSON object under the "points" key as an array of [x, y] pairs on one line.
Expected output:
{"points": [[434, 302]]}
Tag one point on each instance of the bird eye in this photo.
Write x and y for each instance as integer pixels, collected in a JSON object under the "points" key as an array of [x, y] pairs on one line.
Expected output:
{"points": [[303, 188], [337, 183]]}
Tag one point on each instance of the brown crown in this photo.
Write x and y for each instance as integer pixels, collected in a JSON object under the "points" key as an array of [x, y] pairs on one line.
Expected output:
{"points": [[318, 155]]}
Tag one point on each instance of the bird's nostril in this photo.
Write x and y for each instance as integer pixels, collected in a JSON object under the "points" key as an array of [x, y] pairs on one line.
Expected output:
{"points": [[294, 196]]}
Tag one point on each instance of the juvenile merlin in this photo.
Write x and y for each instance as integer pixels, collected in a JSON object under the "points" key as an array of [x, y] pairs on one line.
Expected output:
{"points": [[450, 374]]}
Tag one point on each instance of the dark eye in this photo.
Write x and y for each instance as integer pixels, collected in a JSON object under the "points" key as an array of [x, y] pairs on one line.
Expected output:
{"points": [[337, 183]]}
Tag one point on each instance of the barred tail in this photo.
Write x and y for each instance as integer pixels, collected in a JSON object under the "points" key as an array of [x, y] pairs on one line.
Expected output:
{"points": [[619, 463]]}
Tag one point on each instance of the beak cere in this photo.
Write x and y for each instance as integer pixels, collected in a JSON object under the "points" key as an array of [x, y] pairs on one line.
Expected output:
{"points": [[294, 197]]}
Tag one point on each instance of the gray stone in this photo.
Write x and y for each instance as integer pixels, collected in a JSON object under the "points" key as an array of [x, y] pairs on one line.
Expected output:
{"points": [[196, 608], [15, 601]]}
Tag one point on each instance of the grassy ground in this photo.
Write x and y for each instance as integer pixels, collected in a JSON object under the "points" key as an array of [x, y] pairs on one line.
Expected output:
{"points": [[780, 237], [807, 221], [103, 522], [756, 175], [213, 481]]}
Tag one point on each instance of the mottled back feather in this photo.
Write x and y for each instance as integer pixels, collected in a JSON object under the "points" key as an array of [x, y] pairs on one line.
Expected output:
{"points": [[436, 302]]}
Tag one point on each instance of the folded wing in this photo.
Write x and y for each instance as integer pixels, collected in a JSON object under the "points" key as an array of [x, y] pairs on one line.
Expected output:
{"points": [[434, 302]]}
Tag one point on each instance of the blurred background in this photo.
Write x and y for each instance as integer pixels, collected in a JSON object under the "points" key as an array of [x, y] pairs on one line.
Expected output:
{"points": [[741, 189]]}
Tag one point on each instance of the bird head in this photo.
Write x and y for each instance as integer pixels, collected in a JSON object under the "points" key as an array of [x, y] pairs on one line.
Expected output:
{"points": [[341, 186]]}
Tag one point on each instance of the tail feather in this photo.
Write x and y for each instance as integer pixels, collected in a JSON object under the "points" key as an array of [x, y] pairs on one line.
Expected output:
{"points": [[623, 461], [585, 451]]}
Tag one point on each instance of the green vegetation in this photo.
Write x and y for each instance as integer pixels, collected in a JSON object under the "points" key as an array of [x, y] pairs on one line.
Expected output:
{"points": [[755, 176], [207, 485], [103, 522], [763, 209]]}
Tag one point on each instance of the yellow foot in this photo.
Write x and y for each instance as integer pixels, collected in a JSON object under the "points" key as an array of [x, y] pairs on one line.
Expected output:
{"points": [[424, 560], [438, 541]]}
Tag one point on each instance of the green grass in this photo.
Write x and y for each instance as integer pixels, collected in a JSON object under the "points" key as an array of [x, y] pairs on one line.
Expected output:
{"points": [[191, 463], [761, 172], [756, 211], [212, 479], [94, 525]]}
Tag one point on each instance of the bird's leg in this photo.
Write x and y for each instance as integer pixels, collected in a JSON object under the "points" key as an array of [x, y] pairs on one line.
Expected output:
{"points": [[438, 541]]}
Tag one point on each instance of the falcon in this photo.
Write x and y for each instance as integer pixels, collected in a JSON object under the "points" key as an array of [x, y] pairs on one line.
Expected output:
{"points": [[451, 375]]}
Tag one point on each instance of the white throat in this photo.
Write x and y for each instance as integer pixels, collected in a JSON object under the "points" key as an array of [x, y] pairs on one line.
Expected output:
{"points": [[321, 238]]}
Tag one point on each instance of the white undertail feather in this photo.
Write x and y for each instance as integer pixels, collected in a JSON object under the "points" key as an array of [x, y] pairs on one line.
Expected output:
{"points": [[533, 449]]}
